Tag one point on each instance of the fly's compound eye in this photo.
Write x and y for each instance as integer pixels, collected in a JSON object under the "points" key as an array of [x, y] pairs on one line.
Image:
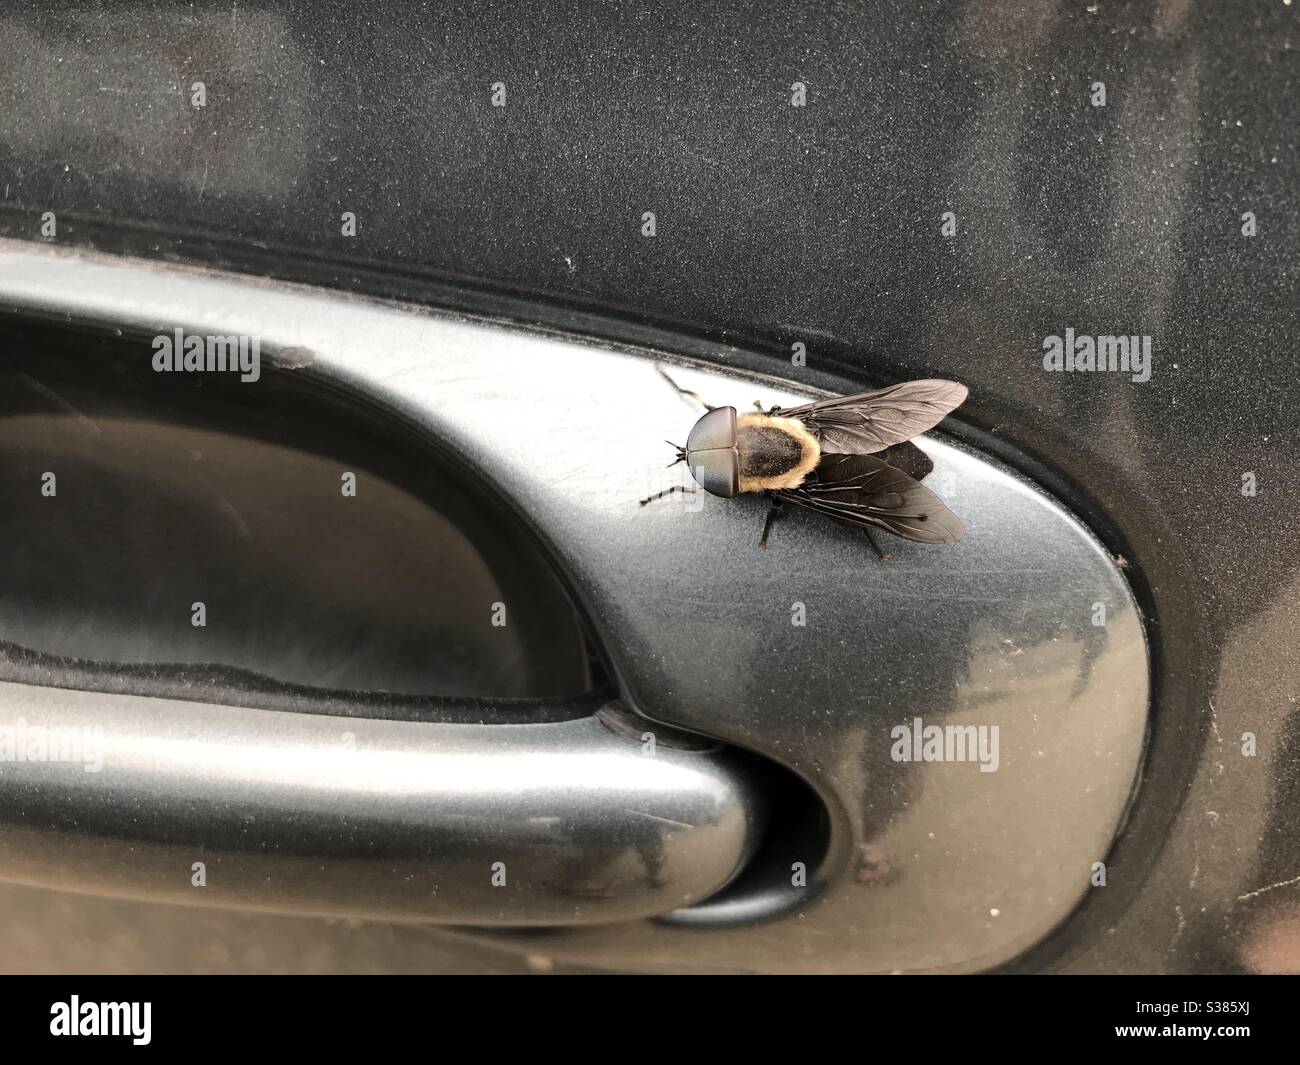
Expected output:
{"points": [[717, 429], [716, 471], [711, 453]]}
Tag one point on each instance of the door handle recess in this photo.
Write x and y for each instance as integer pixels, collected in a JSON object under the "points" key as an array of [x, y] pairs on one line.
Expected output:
{"points": [[926, 865], [568, 822]]}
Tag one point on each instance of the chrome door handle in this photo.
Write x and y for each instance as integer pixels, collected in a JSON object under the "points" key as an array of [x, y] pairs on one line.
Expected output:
{"points": [[569, 822]]}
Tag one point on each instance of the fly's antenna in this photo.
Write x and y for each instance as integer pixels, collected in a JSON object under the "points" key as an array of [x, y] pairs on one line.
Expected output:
{"points": [[681, 454], [684, 391]]}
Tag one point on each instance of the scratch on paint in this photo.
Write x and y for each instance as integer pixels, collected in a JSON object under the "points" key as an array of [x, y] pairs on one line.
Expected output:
{"points": [[656, 817], [1269, 887]]}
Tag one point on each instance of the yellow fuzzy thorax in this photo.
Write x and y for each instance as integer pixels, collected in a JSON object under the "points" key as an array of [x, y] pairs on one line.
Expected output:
{"points": [[810, 453]]}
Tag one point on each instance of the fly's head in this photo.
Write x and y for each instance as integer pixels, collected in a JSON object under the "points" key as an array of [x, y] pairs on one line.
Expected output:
{"points": [[710, 453]]}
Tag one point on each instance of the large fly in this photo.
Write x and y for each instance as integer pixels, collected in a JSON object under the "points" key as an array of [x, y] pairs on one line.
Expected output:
{"points": [[849, 458]]}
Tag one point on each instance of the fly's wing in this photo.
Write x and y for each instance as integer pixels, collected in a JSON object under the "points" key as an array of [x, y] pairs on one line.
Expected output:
{"points": [[863, 491], [872, 421], [908, 458]]}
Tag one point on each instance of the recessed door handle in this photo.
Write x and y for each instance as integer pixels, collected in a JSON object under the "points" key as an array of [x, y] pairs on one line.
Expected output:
{"points": [[567, 822], [1026, 630]]}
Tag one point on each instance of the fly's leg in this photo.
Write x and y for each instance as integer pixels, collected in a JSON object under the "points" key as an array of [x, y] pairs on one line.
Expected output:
{"points": [[668, 492], [875, 546], [767, 522], [684, 391]]}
